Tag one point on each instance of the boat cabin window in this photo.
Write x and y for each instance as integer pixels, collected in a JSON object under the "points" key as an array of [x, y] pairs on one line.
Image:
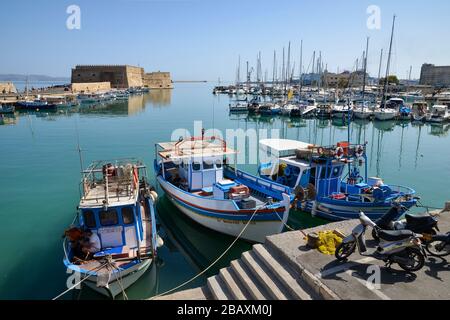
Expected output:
{"points": [[208, 165], [218, 164], [108, 217], [196, 166], [89, 219], [127, 215]]}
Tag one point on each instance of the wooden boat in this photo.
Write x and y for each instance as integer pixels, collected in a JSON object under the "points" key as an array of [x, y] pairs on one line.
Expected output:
{"points": [[318, 180], [194, 175], [118, 205]]}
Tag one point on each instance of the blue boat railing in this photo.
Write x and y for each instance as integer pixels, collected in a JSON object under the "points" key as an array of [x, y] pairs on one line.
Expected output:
{"points": [[273, 189], [153, 222]]}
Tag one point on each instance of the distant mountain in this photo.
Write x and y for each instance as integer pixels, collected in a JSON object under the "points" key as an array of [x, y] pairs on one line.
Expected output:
{"points": [[31, 78]]}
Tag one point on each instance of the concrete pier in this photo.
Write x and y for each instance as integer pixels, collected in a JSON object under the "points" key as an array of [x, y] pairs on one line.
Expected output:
{"points": [[284, 267]]}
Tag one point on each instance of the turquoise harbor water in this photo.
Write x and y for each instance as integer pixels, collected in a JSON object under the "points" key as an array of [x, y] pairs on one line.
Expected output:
{"points": [[40, 166]]}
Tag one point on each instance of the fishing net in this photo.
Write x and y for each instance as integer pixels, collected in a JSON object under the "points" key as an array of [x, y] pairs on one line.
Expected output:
{"points": [[328, 241]]}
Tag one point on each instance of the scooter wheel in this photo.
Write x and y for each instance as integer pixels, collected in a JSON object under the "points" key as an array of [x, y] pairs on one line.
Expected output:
{"points": [[344, 250], [417, 256], [438, 248]]}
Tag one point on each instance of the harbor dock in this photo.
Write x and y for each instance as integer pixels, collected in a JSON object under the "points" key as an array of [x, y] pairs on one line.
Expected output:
{"points": [[284, 267]]}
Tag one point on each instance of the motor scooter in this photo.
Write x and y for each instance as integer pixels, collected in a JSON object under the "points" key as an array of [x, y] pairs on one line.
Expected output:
{"points": [[400, 246], [418, 222]]}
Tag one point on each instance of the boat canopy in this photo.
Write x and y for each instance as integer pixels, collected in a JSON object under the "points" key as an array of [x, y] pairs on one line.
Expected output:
{"points": [[187, 148], [281, 145]]}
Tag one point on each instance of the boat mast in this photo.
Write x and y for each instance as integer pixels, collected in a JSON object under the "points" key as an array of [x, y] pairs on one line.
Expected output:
{"points": [[379, 68], [300, 78], [388, 64], [274, 67], [365, 72]]}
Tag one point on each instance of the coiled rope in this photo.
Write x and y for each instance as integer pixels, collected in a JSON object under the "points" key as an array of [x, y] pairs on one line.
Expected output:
{"points": [[215, 261]]}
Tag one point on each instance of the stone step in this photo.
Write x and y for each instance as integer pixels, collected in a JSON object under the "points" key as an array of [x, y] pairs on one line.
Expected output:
{"points": [[264, 276], [256, 291], [218, 288], [237, 290], [296, 286]]}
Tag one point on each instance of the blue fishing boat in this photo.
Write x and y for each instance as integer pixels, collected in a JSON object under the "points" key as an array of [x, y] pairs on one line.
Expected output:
{"points": [[327, 181], [194, 174], [35, 105], [117, 207]]}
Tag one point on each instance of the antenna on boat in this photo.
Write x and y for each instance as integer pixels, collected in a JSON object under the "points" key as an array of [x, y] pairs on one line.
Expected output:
{"points": [[78, 145]]}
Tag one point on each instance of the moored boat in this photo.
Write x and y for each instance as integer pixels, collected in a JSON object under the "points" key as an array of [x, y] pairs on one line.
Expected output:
{"points": [[194, 175], [117, 208], [35, 105], [327, 182]]}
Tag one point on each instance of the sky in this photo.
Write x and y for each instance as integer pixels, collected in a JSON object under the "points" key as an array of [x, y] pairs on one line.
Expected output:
{"points": [[202, 39]]}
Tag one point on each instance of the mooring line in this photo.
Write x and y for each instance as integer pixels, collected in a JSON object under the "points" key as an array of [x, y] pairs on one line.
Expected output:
{"points": [[215, 261]]}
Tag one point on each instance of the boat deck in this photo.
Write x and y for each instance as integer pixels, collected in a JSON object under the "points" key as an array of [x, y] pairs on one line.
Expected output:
{"points": [[117, 192]]}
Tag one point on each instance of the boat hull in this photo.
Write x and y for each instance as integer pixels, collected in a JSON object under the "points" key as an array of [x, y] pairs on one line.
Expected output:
{"points": [[334, 211], [212, 215], [383, 116], [128, 277]]}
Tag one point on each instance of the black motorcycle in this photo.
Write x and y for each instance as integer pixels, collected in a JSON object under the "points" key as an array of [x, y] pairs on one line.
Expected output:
{"points": [[422, 223]]}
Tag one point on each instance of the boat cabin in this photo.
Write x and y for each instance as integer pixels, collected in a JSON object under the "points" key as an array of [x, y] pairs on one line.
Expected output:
{"points": [[195, 165], [295, 163], [112, 206]]}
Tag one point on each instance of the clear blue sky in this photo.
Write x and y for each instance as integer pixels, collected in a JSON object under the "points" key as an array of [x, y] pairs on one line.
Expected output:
{"points": [[201, 39]]}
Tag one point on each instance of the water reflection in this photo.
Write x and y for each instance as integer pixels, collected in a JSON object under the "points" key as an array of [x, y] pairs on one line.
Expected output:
{"points": [[159, 97], [8, 120]]}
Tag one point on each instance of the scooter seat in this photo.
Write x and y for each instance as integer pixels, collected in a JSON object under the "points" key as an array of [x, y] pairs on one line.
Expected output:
{"points": [[395, 235], [417, 217]]}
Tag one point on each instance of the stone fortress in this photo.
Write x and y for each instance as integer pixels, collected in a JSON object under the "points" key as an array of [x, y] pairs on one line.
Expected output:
{"points": [[119, 77], [436, 76]]}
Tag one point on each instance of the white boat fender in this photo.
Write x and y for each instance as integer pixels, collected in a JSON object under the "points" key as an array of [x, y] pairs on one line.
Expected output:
{"points": [[154, 196], [159, 242]]}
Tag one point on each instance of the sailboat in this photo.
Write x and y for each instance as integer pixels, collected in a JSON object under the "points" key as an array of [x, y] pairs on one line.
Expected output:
{"points": [[382, 112]]}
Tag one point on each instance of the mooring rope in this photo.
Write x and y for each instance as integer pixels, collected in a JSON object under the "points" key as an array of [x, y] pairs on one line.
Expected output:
{"points": [[215, 261], [78, 283]]}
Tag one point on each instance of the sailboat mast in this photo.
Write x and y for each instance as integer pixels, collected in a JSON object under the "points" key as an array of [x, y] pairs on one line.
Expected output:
{"points": [[388, 64], [365, 71], [300, 78]]}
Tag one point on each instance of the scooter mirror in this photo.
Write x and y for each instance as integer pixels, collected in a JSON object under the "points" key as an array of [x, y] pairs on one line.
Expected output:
{"points": [[365, 220]]}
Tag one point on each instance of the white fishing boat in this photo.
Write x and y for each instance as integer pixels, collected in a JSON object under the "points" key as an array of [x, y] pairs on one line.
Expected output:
{"points": [[117, 207], [194, 175], [438, 114]]}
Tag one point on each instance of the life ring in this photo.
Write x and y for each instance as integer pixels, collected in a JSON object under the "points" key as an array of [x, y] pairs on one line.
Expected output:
{"points": [[339, 153], [359, 151]]}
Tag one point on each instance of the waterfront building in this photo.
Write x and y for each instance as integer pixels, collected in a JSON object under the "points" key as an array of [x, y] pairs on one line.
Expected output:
{"points": [[437, 76], [7, 88]]}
